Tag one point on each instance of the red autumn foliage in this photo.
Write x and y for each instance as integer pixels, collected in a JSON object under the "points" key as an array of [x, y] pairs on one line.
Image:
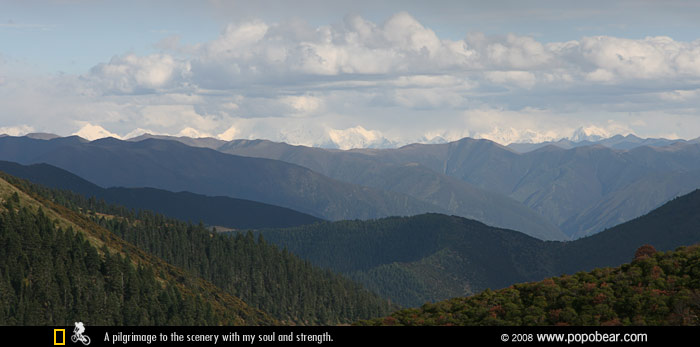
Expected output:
{"points": [[644, 252]]}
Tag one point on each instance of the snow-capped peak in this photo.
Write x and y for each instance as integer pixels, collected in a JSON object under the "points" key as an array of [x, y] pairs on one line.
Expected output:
{"points": [[590, 133], [94, 132], [358, 137]]}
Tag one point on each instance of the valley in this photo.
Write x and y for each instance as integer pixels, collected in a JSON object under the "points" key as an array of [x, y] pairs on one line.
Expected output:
{"points": [[422, 257]]}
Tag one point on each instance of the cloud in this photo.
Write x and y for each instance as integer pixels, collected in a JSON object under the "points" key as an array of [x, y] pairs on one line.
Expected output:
{"points": [[618, 59], [174, 117], [524, 79], [19, 130], [11, 24], [359, 82], [302, 105], [256, 55], [512, 52], [250, 51], [681, 95], [134, 74], [296, 55], [192, 132], [428, 81], [426, 98]]}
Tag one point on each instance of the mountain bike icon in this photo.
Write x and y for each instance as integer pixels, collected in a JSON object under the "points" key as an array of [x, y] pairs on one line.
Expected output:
{"points": [[78, 334], [83, 338]]}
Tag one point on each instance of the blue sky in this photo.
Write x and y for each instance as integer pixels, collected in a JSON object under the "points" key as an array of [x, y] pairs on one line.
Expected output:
{"points": [[351, 74]]}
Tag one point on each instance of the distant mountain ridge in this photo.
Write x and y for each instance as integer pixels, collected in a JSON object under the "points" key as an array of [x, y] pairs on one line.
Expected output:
{"points": [[561, 184], [581, 190], [583, 136], [377, 189], [360, 138], [173, 166], [615, 142], [578, 191], [204, 142], [362, 167], [185, 206]]}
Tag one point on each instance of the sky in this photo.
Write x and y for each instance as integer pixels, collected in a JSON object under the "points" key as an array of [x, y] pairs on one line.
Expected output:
{"points": [[351, 73]]}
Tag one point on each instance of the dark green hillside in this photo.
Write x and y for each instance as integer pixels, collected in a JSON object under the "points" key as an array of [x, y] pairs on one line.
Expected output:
{"points": [[655, 289], [417, 259], [674, 224], [433, 257], [95, 277], [261, 274], [77, 282]]}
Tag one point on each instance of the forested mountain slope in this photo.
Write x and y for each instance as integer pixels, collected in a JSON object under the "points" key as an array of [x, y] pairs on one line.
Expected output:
{"points": [[660, 288], [432, 257], [294, 291], [93, 276]]}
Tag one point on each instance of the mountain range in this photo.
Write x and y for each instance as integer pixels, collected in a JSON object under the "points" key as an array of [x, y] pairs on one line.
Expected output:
{"points": [[431, 257], [625, 142], [214, 211], [408, 260], [173, 166], [551, 193], [581, 190]]}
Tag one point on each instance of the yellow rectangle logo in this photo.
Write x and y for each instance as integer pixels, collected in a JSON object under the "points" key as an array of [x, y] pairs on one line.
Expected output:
{"points": [[63, 337]]}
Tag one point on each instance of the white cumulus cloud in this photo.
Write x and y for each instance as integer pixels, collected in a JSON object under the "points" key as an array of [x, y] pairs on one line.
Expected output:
{"points": [[359, 82], [135, 74]]}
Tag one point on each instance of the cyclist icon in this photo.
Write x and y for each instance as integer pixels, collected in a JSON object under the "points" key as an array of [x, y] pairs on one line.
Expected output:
{"points": [[78, 334]]}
